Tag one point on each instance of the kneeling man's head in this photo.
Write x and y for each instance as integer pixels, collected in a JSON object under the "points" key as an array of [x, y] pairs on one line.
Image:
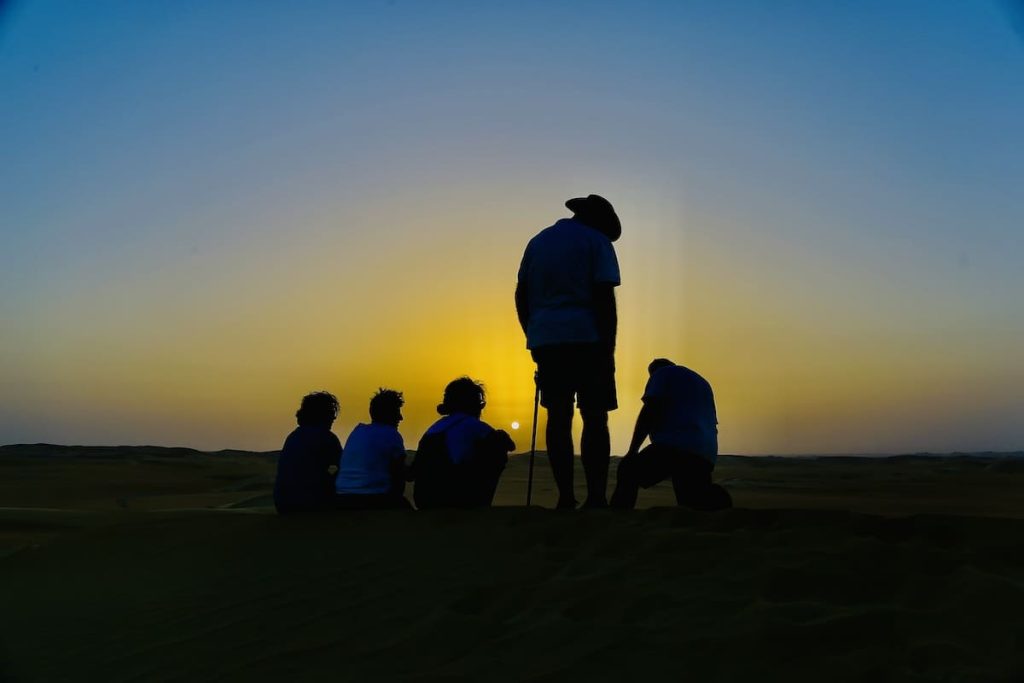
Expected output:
{"points": [[657, 364]]}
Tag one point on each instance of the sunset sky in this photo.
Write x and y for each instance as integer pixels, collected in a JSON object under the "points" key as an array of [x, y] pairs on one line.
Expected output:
{"points": [[210, 209]]}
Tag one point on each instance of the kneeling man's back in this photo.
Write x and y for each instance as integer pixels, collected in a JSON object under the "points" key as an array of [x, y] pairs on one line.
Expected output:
{"points": [[686, 418]]}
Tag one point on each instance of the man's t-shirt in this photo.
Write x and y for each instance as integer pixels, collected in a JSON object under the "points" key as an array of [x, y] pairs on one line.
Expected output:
{"points": [[370, 453], [463, 433], [559, 269], [303, 480], [687, 419]]}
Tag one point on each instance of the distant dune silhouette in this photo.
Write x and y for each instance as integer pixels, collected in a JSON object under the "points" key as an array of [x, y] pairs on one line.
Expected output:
{"points": [[92, 477]]}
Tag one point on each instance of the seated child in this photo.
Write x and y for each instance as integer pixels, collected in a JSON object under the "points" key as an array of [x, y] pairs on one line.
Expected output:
{"points": [[372, 471], [460, 458], [305, 468]]}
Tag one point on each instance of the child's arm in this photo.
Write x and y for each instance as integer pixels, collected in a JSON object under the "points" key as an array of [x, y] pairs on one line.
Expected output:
{"points": [[401, 472], [502, 438], [331, 454]]}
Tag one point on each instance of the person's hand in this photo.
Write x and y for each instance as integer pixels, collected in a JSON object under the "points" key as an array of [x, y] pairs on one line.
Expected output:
{"points": [[502, 437]]}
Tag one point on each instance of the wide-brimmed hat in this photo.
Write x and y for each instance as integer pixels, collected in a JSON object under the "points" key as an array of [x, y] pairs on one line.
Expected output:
{"points": [[598, 213]]}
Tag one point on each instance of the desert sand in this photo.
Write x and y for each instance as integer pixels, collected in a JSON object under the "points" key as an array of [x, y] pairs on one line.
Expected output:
{"points": [[131, 563]]}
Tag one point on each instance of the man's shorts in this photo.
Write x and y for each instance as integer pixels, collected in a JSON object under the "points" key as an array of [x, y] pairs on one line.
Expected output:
{"points": [[585, 372]]}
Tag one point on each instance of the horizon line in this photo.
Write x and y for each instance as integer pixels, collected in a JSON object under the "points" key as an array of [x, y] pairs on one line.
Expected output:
{"points": [[1019, 453]]}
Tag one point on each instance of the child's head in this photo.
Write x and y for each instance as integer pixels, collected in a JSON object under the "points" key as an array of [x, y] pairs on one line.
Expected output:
{"points": [[318, 409], [386, 407], [463, 395]]}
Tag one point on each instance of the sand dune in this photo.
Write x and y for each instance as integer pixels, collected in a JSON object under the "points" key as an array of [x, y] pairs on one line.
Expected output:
{"points": [[136, 565]]}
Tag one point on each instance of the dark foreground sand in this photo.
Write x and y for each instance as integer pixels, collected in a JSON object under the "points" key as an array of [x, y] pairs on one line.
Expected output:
{"points": [[153, 564]]}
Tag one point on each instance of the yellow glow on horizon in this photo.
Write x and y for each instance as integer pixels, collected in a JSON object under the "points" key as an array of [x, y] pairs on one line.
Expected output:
{"points": [[424, 294]]}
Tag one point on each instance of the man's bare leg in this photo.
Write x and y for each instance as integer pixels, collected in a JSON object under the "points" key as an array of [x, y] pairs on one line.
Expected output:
{"points": [[595, 451], [560, 452]]}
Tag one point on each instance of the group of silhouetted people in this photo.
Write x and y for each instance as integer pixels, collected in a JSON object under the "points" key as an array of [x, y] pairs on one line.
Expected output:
{"points": [[457, 464], [565, 302]]}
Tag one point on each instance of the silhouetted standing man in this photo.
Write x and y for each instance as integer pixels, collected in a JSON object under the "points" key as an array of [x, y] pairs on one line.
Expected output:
{"points": [[565, 299]]}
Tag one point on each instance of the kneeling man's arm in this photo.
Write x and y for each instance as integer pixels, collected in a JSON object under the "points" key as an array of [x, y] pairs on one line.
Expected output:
{"points": [[644, 423]]}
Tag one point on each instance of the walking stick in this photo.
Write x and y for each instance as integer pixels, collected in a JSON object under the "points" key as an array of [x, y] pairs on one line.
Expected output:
{"points": [[533, 442]]}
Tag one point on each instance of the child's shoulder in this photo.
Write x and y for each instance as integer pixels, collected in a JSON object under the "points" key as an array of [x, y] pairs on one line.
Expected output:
{"points": [[481, 427], [381, 431]]}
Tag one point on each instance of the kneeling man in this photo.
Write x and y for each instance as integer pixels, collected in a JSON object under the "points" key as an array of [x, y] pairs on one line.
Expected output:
{"points": [[679, 417]]}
